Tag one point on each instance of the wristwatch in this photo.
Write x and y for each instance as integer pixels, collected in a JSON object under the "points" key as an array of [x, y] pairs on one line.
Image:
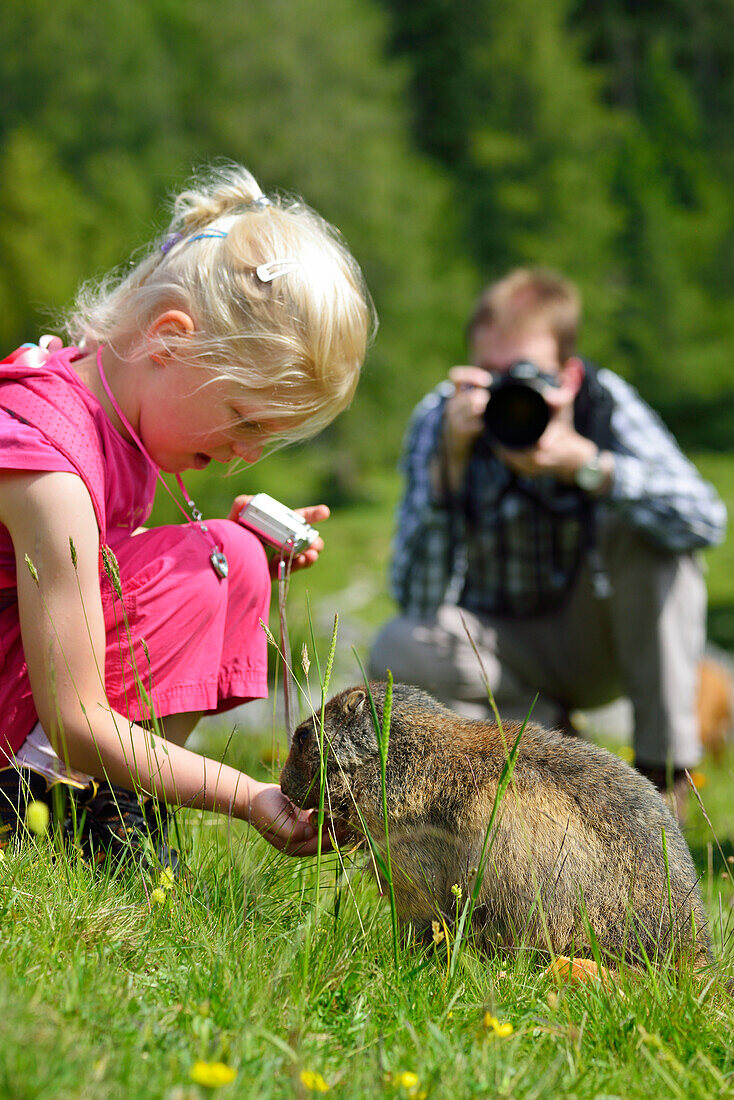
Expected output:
{"points": [[590, 476]]}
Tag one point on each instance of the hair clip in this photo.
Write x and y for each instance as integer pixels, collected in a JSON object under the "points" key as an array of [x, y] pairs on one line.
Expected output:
{"points": [[273, 268], [202, 236], [170, 242]]}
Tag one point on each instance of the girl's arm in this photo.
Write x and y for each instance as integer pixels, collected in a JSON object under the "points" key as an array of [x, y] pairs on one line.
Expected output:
{"points": [[63, 632]]}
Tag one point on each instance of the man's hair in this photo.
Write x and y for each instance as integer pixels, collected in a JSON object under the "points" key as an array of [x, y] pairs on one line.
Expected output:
{"points": [[528, 299]]}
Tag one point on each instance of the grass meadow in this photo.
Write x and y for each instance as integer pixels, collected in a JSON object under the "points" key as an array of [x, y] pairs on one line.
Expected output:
{"points": [[250, 975]]}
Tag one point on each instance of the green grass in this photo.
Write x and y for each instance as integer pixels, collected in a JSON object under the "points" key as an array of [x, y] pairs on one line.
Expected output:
{"points": [[107, 994]]}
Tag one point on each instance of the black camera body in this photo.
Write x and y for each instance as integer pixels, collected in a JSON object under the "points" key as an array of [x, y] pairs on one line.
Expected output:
{"points": [[517, 414]]}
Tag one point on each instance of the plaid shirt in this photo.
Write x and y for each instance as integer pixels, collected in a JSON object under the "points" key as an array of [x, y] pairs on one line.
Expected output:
{"points": [[512, 545]]}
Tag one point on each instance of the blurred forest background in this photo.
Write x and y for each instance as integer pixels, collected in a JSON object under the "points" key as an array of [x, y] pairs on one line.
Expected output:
{"points": [[448, 139]]}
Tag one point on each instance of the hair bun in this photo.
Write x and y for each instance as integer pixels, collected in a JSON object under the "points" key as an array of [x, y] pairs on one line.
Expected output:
{"points": [[226, 192]]}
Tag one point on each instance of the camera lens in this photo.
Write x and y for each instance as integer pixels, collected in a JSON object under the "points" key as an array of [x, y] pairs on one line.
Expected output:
{"points": [[516, 415]]}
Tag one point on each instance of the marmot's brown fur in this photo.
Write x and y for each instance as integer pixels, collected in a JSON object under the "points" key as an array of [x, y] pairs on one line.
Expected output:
{"points": [[577, 840]]}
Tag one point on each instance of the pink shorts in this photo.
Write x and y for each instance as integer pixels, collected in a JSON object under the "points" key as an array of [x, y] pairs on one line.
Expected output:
{"points": [[187, 641]]}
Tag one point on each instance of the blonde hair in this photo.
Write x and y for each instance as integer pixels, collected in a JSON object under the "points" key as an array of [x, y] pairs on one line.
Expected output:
{"points": [[295, 343], [531, 298]]}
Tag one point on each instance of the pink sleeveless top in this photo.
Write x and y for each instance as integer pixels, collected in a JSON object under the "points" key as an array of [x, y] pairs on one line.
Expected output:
{"points": [[50, 421]]}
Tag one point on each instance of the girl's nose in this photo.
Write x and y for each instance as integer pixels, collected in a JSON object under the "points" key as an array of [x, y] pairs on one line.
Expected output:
{"points": [[248, 452]]}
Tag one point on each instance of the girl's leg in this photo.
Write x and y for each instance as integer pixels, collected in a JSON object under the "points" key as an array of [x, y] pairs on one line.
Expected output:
{"points": [[186, 641], [178, 727], [181, 642]]}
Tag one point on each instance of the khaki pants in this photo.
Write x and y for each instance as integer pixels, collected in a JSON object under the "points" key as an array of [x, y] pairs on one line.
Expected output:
{"points": [[643, 642]]}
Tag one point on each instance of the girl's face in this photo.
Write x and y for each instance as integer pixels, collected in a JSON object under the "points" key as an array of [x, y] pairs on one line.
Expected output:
{"points": [[185, 425]]}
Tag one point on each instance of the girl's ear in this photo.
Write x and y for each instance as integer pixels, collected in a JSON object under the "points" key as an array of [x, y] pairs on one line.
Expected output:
{"points": [[172, 323]]}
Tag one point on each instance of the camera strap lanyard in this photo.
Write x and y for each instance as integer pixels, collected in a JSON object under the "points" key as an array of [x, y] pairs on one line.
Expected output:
{"points": [[217, 557]]}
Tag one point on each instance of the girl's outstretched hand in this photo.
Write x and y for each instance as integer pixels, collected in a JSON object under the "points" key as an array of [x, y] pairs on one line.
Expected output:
{"points": [[282, 824], [313, 514]]}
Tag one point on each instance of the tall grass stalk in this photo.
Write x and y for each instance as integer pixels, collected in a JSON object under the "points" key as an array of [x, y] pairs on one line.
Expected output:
{"points": [[382, 733], [472, 896], [322, 758]]}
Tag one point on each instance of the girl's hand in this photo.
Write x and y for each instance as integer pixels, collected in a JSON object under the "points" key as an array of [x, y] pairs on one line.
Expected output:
{"points": [[282, 824], [313, 514]]}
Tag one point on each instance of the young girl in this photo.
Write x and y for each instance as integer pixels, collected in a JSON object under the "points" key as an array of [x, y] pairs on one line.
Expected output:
{"points": [[246, 326]]}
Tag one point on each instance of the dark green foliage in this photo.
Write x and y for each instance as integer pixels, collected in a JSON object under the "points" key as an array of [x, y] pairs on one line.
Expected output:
{"points": [[108, 108], [597, 139], [447, 140]]}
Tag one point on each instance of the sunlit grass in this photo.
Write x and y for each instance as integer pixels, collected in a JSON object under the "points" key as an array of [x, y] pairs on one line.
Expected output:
{"points": [[121, 985]]}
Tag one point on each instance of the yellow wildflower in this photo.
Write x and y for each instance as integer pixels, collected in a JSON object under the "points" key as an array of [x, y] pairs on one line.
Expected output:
{"points": [[158, 897], [409, 1082], [37, 817], [493, 1024], [167, 879], [437, 931], [699, 780], [314, 1082], [457, 891], [626, 752], [212, 1074]]}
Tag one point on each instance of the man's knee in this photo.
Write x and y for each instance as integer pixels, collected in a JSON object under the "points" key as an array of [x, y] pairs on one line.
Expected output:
{"points": [[394, 649], [436, 654]]}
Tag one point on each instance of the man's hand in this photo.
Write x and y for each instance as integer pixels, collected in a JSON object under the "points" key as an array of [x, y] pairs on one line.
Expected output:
{"points": [[463, 421], [463, 416], [313, 514], [559, 453]]}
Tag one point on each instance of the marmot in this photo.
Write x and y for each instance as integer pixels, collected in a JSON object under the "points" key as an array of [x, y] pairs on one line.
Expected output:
{"points": [[577, 840]]}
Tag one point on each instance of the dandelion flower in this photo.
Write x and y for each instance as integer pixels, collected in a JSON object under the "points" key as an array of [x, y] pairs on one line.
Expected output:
{"points": [[409, 1082], [158, 897], [314, 1082], [37, 817], [493, 1024], [212, 1074]]}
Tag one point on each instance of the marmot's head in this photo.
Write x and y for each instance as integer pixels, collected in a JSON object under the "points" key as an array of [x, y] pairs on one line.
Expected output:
{"points": [[349, 742]]}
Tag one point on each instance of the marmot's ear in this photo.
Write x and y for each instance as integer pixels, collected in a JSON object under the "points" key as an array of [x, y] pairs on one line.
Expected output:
{"points": [[355, 702]]}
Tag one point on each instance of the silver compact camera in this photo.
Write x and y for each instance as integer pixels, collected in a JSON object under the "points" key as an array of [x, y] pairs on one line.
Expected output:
{"points": [[276, 525]]}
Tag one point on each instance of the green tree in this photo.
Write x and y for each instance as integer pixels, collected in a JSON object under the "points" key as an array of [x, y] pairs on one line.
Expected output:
{"points": [[533, 145], [110, 106], [596, 138]]}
